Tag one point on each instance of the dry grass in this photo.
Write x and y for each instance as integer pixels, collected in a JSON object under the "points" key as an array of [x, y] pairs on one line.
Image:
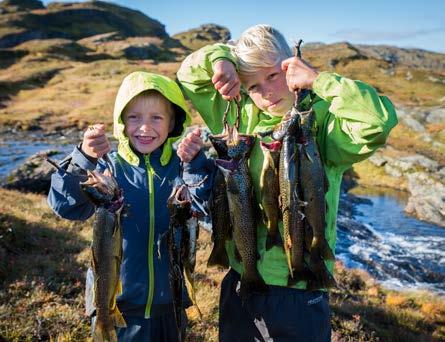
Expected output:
{"points": [[367, 175], [43, 260]]}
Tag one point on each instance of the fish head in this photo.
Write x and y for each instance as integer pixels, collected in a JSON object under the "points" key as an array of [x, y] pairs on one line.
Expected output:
{"points": [[101, 188], [219, 143], [240, 145], [180, 197]]}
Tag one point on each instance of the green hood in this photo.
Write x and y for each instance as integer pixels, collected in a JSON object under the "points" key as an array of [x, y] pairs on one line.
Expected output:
{"points": [[134, 84]]}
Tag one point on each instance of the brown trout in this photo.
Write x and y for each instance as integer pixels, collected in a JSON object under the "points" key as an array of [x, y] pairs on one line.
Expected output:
{"points": [[290, 194], [242, 210], [219, 207], [315, 187], [103, 191], [179, 207], [270, 191]]}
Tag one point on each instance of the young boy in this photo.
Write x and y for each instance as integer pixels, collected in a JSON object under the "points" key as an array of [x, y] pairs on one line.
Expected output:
{"points": [[352, 122], [149, 115]]}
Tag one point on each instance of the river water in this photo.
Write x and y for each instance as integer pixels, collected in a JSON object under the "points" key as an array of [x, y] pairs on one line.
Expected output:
{"points": [[399, 251]]}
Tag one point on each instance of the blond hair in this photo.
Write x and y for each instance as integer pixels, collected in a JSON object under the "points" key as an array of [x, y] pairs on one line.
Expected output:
{"points": [[260, 46]]}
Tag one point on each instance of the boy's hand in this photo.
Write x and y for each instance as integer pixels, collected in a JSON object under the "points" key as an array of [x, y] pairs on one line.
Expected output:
{"points": [[190, 146], [226, 79], [299, 74], [95, 143]]}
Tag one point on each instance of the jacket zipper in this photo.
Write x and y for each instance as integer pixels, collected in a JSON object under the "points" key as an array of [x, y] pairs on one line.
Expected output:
{"points": [[150, 173]]}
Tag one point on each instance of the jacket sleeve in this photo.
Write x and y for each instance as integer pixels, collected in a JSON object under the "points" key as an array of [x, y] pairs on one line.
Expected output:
{"points": [[353, 121], [196, 171], [195, 75], [65, 196]]}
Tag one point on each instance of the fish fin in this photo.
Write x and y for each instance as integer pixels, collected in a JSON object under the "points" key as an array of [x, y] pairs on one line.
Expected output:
{"points": [[273, 240], [218, 257], [327, 253], [118, 319], [321, 248], [237, 255], [307, 155], [190, 285], [289, 262], [104, 333], [232, 188], [251, 285]]}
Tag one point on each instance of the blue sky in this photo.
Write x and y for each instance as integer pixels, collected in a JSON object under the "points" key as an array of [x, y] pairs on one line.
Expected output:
{"points": [[419, 24]]}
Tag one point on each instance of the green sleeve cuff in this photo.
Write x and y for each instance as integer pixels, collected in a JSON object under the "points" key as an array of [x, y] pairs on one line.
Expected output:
{"points": [[323, 80], [223, 54]]}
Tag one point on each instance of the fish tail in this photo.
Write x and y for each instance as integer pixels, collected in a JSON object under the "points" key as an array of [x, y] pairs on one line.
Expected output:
{"points": [[321, 247], [218, 257], [252, 284], [104, 332], [273, 240], [118, 319], [190, 284], [289, 262]]}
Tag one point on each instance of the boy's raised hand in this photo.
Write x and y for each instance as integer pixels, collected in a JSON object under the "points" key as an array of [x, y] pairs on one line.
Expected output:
{"points": [[95, 143], [226, 79], [190, 146], [299, 74]]}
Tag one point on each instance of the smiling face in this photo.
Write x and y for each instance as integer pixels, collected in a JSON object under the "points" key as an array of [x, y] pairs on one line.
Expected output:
{"points": [[148, 120], [268, 89]]}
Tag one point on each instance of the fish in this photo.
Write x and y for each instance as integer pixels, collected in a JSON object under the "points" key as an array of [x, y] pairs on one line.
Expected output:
{"points": [[270, 191], [189, 242], [242, 209], [290, 194], [219, 207], [179, 207], [103, 191], [316, 185]]}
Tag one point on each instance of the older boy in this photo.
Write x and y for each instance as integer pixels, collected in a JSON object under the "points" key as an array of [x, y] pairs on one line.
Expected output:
{"points": [[149, 115], [352, 122]]}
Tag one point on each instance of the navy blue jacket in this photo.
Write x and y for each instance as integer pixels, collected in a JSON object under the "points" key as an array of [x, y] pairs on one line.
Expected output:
{"points": [[146, 290]]}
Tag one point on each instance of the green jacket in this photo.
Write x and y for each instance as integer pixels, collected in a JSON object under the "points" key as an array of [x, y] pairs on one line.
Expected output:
{"points": [[352, 122]]}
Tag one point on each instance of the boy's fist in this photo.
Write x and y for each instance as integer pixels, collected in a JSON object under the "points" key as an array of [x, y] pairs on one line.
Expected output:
{"points": [[190, 146], [225, 79], [95, 143], [299, 74]]}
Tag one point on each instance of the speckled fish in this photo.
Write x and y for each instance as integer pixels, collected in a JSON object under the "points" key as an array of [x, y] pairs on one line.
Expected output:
{"points": [[219, 207], [290, 195], [179, 207], [315, 187], [242, 210], [270, 192], [104, 193]]}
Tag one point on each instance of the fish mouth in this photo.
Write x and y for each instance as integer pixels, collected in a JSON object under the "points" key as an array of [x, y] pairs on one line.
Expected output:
{"points": [[227, 165], [102, 189], [180, 196], [273, 146]]}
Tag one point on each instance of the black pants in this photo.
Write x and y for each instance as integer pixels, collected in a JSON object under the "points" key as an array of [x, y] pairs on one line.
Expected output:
{"points": [[281, 315], [156, 329]]}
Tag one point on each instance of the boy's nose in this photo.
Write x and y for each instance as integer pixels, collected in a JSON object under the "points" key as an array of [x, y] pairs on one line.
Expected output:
{"points": [[145, 127]]}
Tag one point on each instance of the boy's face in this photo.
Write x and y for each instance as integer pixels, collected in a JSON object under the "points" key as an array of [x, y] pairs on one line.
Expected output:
{"points": [[148, 121], [269, 91]]}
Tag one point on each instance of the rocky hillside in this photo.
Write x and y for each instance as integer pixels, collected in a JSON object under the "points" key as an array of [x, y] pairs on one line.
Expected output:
{"points": [[56, 76], [26, 20], [203, 35]]}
